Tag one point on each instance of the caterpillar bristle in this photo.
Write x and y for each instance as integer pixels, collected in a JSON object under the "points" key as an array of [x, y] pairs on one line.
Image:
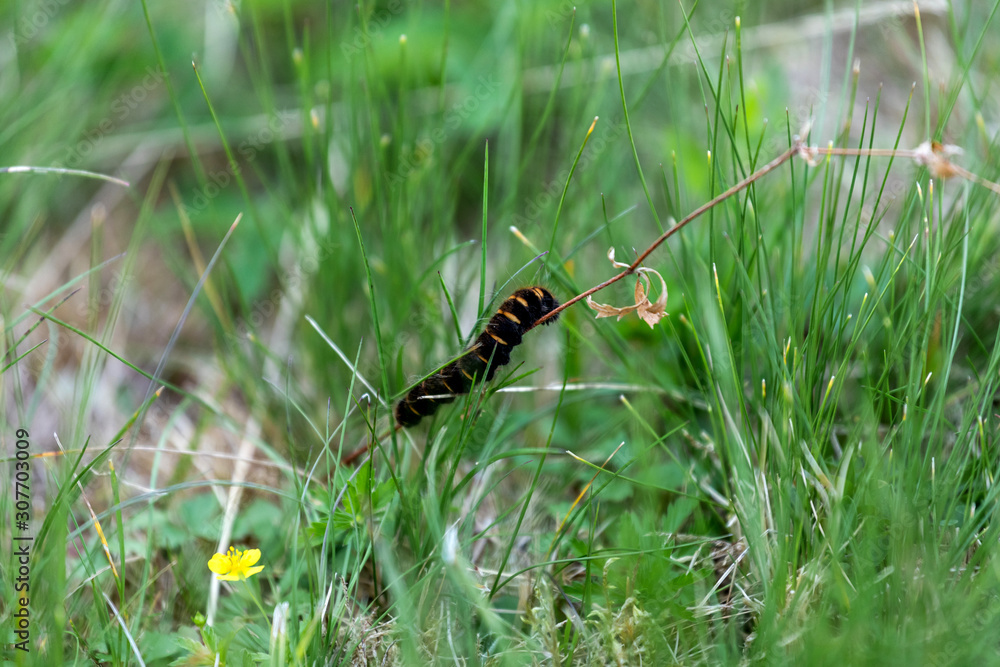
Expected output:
{"points": [[491, 350]]}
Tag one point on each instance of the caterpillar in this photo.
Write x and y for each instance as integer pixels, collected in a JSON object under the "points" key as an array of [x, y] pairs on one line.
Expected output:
{"points": [[490, 351]]}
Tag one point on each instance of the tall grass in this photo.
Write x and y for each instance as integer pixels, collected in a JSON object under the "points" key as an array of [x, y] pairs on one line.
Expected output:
{"points": [[797, 465]]}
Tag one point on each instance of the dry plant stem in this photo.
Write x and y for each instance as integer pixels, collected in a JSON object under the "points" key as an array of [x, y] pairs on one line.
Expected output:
{"points": [[978, 180], [864, 152], [914, 154], [797, 146]]}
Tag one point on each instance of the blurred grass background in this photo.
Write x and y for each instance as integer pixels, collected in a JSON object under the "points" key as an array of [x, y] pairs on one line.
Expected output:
{"points": [[808, 467]]}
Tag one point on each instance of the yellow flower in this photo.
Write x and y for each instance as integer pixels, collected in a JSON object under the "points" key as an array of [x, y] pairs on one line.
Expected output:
{"points": [[235, 564]]}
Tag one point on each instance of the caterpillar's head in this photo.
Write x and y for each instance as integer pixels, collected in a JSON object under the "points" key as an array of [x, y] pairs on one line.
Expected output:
{"points": [[548, 303]]}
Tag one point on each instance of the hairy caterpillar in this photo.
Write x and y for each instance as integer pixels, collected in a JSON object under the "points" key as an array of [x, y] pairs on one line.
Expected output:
{"points": [[490, 351]]}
